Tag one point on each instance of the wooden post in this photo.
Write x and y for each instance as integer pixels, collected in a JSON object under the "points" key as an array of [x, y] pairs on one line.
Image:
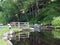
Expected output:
{"points": [[18, 24]]}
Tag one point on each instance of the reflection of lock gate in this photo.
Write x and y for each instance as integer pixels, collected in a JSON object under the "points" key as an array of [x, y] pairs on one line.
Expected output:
{"points": [[16, 35], [26, 32]]}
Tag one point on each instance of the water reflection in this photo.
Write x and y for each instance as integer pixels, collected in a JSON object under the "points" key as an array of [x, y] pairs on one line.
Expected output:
{"points": [[42, 38], [56, 33]]}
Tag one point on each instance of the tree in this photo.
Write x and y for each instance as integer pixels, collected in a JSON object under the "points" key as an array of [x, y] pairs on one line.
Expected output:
{"points": [[56, 21], [32, 11]]}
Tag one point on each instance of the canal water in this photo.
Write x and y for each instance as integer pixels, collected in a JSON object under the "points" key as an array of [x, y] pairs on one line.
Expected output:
{"points": [[41, 38]]}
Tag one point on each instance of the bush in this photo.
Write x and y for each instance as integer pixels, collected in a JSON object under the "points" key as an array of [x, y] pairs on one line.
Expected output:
{"points": [[56, 21]]}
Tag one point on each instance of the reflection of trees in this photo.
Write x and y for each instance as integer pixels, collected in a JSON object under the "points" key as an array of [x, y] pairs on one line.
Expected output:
{"points": [[42, 38], [39, 38]]}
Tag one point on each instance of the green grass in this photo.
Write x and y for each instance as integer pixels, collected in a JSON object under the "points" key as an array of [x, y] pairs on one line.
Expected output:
{"points": [[6, 28], [3, 30], [2, 42]]}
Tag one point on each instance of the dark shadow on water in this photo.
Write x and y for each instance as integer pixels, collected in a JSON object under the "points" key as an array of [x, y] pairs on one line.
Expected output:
{"points": [[39, 38], [57, 41]]}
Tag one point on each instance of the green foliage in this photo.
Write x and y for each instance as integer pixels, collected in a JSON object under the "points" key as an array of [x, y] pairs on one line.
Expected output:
{"points": [[1, 18], [29, 10], [50, 12], [9, 10], [56, 21], [27, 4]]}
